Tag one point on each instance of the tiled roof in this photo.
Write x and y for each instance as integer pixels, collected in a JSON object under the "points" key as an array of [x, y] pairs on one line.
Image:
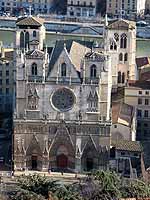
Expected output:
{"points": [[122, 24], [139, 84], [142, 61], [35, 53], [29, 21], [72, 48], [122, 113], [126, 145]]}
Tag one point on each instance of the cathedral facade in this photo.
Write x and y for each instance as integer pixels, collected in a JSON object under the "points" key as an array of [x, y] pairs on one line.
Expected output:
{"points": [[62, 117], [63, 99]]}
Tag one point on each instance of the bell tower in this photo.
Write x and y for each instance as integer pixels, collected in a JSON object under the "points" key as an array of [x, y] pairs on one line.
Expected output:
{"points": [[30, 33]]}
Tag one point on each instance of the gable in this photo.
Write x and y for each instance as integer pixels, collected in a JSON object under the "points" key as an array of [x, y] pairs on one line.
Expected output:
{"points": [[71, 70]]}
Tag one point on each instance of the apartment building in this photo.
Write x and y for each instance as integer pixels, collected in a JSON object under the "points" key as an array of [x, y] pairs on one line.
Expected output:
{"points": [[22, 6], [138, 94], [125, 7], [6, 80], [81, 8]]}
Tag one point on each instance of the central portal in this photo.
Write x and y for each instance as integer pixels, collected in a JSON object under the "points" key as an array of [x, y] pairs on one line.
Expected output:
{"points": [[34, 162], [62, 161], [89, 164]]}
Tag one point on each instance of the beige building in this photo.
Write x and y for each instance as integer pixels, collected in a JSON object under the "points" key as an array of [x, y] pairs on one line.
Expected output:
{"points": [[138, 94], [123, 122], [125, 7], [81, 8]]}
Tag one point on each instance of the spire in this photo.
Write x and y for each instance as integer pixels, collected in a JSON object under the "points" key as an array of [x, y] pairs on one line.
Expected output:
{"points": [[106, 20], [30, 11]]}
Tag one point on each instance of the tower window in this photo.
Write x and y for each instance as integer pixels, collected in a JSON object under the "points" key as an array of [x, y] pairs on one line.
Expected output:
{"points": [[120, 57], [119, 77], [125, 57], [123, 77], [26, 40], [93, 71], [63, 70], [123, 41], [21, 40], [34, 69], [34, 33]]}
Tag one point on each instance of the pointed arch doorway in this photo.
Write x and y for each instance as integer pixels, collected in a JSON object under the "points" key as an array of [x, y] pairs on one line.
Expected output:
{"points": [[62, 157], [62, 161], [34, 160]]}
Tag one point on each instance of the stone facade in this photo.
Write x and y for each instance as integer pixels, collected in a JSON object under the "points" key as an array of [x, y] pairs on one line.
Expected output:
{"points": [[120, 44], [62, 118]]}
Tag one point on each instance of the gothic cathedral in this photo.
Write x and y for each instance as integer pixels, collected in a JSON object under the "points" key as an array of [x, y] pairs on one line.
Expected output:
{"points": [[62, 117]]}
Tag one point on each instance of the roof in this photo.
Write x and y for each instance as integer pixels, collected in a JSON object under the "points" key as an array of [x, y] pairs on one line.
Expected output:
{"points": [[34, 42], [142, 61], [35, 53], [73, 47], [139, 84], [126, 145], [29, 21], [122, 24], [122, 113]]}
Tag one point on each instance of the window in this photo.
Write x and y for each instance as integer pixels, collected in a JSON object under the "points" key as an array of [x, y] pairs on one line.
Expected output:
{"points": [[34, 69], [139, 101], [145, 125], [139, 113], [123, 41], [0, 90], [26, 40], [7, 81], [146, 113], [146, 101], [140, 92], [21, 40], [7, 90], [93, 71], [116, 36], [63, 70], [115, 126], [7, 64], [147, 92], [119, 77], [113, 45], [7, 73], [125, 57], [34, 33], [0, 81], [120, 57], [123, 77], [0, 73]]}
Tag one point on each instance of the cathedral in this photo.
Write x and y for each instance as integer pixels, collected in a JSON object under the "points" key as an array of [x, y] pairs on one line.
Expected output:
{"points": [[62, 116]]}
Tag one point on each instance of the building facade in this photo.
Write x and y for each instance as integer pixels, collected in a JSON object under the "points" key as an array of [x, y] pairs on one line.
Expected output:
{"points": [[81, 8], [125, 8], [22, 6], [6, 80], [62, 119]]}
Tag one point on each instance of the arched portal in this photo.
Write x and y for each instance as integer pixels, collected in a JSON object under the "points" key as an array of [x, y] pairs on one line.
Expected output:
{"points": [[62, 161], [34, 160]]}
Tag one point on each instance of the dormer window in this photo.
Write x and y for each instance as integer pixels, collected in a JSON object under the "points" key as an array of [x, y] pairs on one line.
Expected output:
{"points": [[63, 70], [93, 71], [34, 33], [34, 69]]}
